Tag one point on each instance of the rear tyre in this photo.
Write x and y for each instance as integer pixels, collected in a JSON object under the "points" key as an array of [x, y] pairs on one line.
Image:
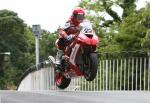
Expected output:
{"points": [[61, 81], [92, 67]]}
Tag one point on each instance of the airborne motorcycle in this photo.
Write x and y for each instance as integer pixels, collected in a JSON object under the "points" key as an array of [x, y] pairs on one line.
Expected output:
{"points": [[80, 58]]}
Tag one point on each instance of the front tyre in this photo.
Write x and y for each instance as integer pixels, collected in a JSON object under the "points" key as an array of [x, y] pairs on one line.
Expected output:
{"points": [[92, 67], [61, 81]]}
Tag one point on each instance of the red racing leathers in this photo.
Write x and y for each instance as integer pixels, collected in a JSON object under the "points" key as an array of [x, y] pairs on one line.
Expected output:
{"points": [[71, 27]]}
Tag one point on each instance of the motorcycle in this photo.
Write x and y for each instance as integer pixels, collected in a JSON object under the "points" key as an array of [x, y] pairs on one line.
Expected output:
{"points": [[80, 58]]}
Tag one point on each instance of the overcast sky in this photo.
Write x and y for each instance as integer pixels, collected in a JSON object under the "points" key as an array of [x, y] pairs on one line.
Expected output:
{"points": [[48, 13]]}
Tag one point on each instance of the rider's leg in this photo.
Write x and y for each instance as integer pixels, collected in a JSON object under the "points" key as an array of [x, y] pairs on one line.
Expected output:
{"points": [[59, 58], [59, 54]]}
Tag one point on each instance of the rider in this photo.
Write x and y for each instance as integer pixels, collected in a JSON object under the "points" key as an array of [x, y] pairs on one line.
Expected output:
{"points": [[66, 33]]}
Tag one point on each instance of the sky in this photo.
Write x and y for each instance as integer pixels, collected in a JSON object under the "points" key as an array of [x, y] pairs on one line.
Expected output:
{"points": [[48, 13]]}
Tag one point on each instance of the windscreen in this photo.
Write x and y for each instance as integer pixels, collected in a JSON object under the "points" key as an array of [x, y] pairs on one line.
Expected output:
{"points": [[86, 27]]}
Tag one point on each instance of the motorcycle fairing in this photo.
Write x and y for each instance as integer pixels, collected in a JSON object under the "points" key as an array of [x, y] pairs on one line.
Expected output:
{"points": [[92, 40], [73, 54]]}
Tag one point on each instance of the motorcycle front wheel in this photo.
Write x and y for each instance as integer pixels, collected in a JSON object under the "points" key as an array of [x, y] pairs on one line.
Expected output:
{"points": [[91, 71], [61, 81]]}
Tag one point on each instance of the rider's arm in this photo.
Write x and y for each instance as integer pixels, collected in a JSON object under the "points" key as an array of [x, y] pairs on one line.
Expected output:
{"points": [[62, 30], [62, 33]]}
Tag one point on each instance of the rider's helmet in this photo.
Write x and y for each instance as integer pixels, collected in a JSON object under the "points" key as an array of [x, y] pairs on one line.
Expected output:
{"points": [[78, 15]]}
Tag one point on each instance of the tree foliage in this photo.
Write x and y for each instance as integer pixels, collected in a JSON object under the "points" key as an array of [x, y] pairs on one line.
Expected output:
{"points": [[47, 46], [17, 38], [135, 31], [128, 32], [14, 38]]}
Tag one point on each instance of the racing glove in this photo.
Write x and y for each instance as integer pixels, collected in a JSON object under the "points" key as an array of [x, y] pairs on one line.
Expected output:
{"points": [[70, 37]]}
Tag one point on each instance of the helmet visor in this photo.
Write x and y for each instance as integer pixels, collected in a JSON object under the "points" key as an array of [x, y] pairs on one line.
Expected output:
{"points": [[79, 16]]}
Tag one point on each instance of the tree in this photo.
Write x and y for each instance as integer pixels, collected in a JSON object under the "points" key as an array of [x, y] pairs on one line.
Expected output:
{"points": [[98, 6], [47, 45], [12, 37], [135, 31], [108, 30], [16, 38]]}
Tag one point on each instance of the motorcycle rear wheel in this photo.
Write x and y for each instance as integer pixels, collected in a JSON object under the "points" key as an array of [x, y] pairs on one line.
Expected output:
{"points": [[93, 66]]}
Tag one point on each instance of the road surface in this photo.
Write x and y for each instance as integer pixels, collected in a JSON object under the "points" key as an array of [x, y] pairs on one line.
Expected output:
{"points": [[74, 97]]}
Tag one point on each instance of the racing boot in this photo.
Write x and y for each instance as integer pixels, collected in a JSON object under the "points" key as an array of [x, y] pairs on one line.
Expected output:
{"points": [[58, 66]]}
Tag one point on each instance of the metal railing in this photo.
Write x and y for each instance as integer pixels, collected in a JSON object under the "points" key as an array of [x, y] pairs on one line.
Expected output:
{"points": [[120, 74], [41, 79], [123, 73]]}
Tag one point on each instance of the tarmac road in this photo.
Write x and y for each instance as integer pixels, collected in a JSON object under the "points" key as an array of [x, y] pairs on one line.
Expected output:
{"points": [[74, 97]]}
